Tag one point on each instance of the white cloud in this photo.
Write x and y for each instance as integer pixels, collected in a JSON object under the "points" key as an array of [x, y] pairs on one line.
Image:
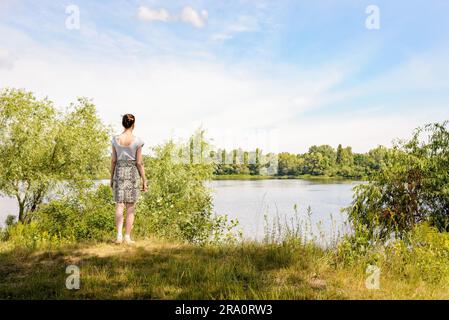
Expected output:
{"points": [[187, 15], [170, 96], [190, 15], [148, 14], [242, 24], [173, 96], [361, 132]]}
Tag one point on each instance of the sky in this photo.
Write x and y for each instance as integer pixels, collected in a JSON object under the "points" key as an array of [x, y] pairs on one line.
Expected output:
{"points": [[281, 75]]}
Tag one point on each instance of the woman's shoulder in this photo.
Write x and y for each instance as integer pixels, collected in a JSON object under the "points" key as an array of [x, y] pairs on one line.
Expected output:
{"points": [[139, 141]]}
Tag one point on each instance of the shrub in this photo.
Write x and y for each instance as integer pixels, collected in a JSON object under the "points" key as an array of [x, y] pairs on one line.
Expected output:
{"points": [[179, 204], [81, 215], [422, 254], [31, 236], [411, 187]]}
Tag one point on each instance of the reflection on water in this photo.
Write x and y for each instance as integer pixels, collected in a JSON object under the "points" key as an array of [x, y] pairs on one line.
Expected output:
{"points": [[250, 200]]}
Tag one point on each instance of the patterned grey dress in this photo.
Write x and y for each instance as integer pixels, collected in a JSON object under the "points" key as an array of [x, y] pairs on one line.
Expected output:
{"points": [[126, 178]]}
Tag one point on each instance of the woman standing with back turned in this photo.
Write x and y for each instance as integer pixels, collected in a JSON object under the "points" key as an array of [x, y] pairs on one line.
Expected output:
{"points": [[126, 173]]}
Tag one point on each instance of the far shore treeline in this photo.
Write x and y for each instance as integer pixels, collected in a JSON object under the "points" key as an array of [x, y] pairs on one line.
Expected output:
{"points": [[322, 162], [319, 161]]}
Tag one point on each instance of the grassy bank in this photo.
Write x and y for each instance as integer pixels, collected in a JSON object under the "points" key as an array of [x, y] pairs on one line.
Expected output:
{"points": [[157, 269]]}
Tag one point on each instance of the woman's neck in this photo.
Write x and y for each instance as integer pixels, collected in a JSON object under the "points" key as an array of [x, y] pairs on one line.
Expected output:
{"points": [[128, 131]]}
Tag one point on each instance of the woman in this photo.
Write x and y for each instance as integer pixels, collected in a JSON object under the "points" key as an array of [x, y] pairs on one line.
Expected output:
{"points": [[126, 172]]}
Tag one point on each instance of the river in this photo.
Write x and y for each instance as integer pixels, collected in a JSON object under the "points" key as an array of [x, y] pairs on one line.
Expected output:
{"points": [[249, 201]]}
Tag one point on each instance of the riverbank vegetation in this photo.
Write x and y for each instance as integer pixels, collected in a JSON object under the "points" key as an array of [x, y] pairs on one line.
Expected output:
{"points": [[411, 188], [399, 230]]}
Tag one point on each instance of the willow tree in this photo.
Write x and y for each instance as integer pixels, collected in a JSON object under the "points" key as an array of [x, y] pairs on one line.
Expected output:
{"points": [[41, 146]]}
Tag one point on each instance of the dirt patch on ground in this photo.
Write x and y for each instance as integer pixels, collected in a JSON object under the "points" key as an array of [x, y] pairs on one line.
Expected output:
{"points": [[109, 249]]}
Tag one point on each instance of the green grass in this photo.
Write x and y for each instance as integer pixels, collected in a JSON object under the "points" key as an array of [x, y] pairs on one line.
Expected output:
{"points": [[157, 269]]}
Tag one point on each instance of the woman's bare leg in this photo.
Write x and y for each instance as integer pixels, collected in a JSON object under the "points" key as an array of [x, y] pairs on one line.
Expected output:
{"points": [[129, 220], [119, 220]]}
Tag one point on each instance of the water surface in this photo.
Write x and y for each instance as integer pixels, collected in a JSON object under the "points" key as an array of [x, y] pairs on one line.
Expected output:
{"points": [[250, 200]]}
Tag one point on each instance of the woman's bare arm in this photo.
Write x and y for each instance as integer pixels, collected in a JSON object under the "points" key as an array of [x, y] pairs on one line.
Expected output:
{"points": [[141, 168], [113, 163]]}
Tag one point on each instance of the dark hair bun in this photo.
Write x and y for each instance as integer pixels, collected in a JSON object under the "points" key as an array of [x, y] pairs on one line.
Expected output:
{"points": [[128, 120]]}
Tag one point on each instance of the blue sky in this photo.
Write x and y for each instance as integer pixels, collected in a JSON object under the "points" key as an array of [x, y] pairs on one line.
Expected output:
{"points": [[278, 74]]}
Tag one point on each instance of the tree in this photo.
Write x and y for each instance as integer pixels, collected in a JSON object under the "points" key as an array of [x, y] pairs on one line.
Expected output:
{"points": [[345, 163], [234, 157], [246, 158], [376, 158], [411, 187], [255, 169], [41, 147], [223, 157], [347, 157], [319, 160], [314, 164], [339, 154], [289, 164]]}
